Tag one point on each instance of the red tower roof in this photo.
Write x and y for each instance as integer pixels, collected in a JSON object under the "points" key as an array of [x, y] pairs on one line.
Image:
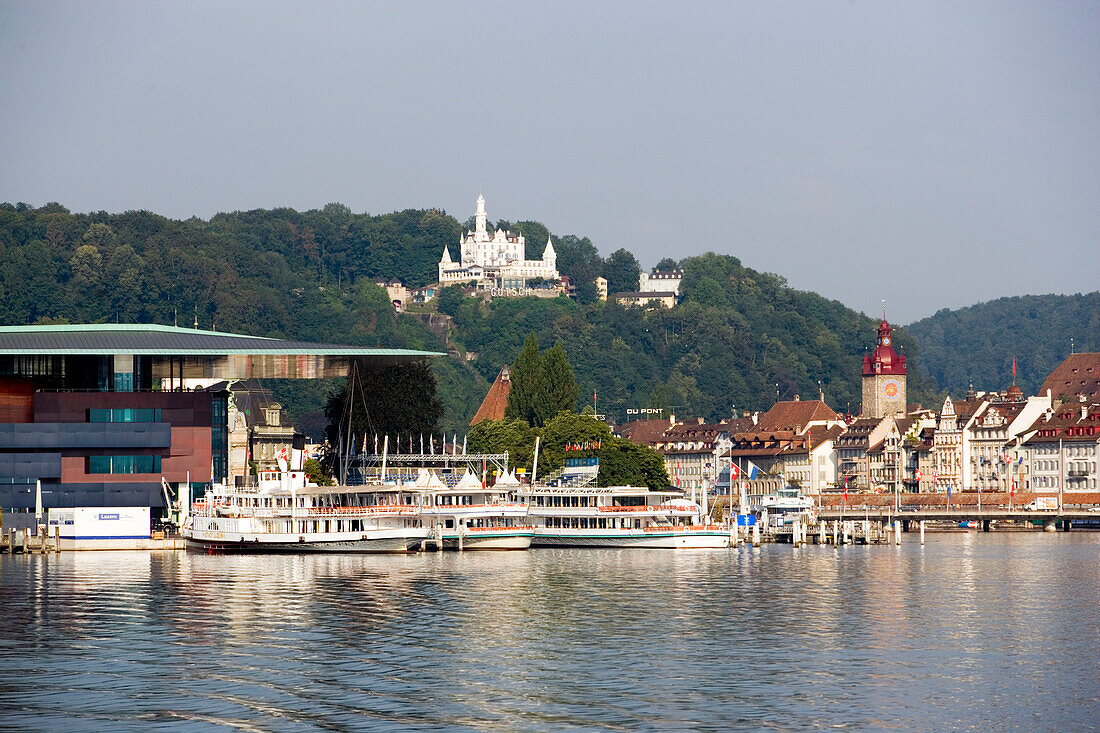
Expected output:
{"points": [[883, 360]]}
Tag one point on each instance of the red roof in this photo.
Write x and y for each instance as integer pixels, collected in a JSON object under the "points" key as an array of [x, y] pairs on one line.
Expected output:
{"points": [[492, 407], [644, 432], [1079, 374], [795, 415], [884, 360]]}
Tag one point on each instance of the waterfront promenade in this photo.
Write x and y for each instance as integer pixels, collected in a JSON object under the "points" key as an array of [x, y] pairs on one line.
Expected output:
{"points": [[971, 630]]}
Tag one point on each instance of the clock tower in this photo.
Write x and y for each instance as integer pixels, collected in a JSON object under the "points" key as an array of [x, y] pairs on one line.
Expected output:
{"points": [[883, 378]]}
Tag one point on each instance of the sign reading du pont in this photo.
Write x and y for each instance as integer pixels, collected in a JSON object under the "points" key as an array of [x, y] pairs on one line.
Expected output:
{"points": [[645, 411]]}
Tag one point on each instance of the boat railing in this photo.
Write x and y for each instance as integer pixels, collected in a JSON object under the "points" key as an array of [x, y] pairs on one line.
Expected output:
{"points": [[687, 528], [467, 507]]}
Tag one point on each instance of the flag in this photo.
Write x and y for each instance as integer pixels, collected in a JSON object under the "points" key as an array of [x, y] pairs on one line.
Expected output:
{"points": [[845, 488], [918, 474], [734, 471], [949, 493], [753, 470], [364, 443], [677, 474], [1014, 370]]}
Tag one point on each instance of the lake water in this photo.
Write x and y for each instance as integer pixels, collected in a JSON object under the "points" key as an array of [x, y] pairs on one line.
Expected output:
{"points": [[970, 632]]}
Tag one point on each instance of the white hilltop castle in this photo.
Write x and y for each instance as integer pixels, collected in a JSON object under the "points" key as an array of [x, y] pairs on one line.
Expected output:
{"points": [[497, 259]]}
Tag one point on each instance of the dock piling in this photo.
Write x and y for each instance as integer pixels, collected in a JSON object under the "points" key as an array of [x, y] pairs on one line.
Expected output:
{"points": [[922, 532]]}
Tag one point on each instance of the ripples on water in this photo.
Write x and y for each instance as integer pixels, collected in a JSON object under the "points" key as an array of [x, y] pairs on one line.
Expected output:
{"points": [[970, 632]]}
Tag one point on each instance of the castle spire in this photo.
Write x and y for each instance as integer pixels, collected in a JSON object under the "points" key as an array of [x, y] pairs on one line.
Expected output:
{"points": [[479, 217]]}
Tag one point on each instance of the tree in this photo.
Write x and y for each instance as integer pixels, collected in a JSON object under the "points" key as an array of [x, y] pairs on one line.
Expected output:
{"points": [[399, 401], [557, 388], [566, 428], [450, 299], [514, 437], [623, 463], [316, 473], [666, 263], [524, 376], [621, 270]]}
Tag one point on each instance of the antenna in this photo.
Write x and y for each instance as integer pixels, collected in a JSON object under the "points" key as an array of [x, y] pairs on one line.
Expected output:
{"points": [[884, 309]]}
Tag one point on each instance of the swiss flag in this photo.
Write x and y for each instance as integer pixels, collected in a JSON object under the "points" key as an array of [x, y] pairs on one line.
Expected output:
{"points": [[735, 472], [919, 474]]}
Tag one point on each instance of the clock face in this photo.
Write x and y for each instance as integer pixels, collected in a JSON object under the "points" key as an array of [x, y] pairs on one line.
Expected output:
{"points": [[890, 388], [886, 341]]}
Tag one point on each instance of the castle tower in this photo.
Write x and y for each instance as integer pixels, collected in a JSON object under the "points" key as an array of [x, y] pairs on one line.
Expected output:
{"points": [[479, 216], [883, 378]]}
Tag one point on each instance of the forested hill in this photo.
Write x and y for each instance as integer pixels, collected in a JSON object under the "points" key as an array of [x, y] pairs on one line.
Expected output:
{"points": [[978, 343], [739, 338]]}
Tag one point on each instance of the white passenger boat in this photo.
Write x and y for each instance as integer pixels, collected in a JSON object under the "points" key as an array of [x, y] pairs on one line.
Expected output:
{"points": [[282, 514], [784, 508], [469, 515], [619, 516]]}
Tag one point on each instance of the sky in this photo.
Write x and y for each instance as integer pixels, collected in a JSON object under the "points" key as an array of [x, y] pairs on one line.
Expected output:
{"points": [[932, 154]]}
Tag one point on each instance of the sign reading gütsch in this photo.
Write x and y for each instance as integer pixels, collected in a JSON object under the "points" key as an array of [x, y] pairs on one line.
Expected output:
{"points": [[645, 411]]}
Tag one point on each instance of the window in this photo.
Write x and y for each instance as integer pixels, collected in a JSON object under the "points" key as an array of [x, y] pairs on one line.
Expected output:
{"points": [[123, 464], [135, 415]]}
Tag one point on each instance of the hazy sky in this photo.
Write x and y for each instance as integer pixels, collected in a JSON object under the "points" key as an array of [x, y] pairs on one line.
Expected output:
{"points": [[933, 154]]}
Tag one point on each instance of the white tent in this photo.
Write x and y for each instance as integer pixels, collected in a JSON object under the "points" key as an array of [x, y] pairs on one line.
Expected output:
{"points": [[425, 479], [507, 481], [469, 481]]}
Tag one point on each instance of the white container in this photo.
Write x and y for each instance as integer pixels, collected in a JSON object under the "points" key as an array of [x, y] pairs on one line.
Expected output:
{"points": [[101, 523]]}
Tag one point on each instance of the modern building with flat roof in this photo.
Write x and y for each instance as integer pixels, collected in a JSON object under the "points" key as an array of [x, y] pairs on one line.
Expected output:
{"points": [[100, 414]]}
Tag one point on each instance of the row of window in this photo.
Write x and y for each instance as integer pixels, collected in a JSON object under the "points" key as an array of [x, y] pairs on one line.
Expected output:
{"points": [[135, 415], [123, 464], [593, 523]]}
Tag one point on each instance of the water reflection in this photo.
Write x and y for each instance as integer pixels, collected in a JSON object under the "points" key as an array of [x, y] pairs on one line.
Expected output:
{"points": [[970, 630]]}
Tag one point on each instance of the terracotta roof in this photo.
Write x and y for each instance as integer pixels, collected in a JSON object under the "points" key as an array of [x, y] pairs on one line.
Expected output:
{"points": [[738, 425], [1078, 374], [796, 414], [819, 434], [644, 432], [492, 407], [1067, 424]]}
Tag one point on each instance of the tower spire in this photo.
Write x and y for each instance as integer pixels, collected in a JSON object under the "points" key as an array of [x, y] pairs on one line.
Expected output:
{"points": [[479, 216]]}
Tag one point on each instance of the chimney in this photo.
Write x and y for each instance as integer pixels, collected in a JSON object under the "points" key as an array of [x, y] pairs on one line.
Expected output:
{"points": [[796, 398]]}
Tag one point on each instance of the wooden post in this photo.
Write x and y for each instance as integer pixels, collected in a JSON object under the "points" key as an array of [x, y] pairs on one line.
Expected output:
{"points": [[836, 531], [756, 535], [11, 541], [57, 538], [796, 534], [922, 532], [897, 532]]}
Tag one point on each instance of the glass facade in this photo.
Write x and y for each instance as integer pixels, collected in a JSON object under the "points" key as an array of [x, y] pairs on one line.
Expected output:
{"points": [[123, 464], [136, 415], [219, 435]]}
